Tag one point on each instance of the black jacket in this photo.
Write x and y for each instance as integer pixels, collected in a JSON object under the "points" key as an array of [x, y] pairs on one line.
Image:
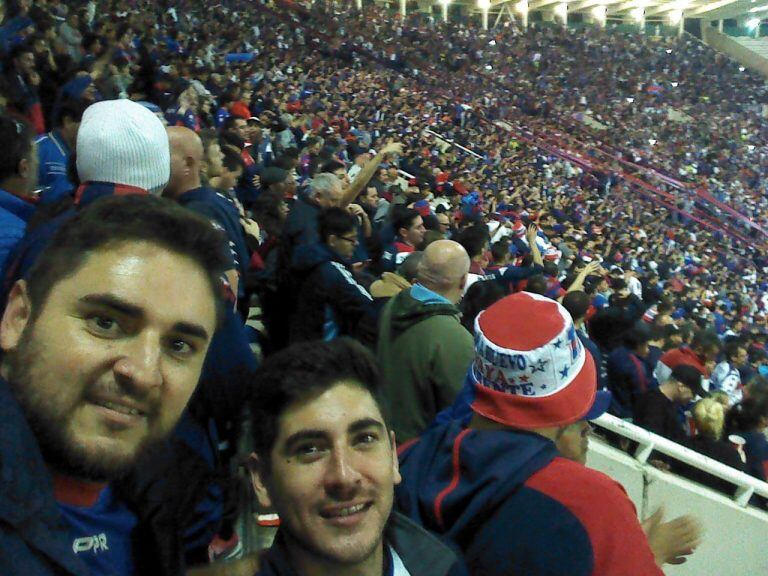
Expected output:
{"points": [[422, 553], [34, 538]]}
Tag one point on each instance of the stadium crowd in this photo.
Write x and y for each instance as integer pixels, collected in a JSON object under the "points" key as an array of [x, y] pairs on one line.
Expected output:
{"points": [[389, 203]]}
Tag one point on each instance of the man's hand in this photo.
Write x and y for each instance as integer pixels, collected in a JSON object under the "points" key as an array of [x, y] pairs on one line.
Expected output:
{"points": [[357, 210], [250, 227], [672, 541], [392, 148], [34, 78], [256, 181], [531, 233]]}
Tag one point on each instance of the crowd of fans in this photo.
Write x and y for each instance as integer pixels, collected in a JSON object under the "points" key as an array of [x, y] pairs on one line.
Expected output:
{"points": [[380, 178]]}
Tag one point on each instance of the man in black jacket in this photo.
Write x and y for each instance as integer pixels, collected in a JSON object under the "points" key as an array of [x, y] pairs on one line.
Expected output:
{"points": [[330, 302], [325, 461], [102, 347]]}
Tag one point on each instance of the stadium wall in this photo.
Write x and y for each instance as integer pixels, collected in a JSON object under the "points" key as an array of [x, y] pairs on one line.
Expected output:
{"points": [[734, 537], [727, 45]]}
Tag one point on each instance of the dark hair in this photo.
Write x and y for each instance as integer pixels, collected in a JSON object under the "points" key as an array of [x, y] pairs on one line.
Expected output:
{"points": [[16, 137], [577, 303], [474, 239], [110, 222], [500, 249], [732, 348], [409, 268], [331, 166], [232, 161], [636, 336], [229, 123], [745, 416], [72, 109], [705, 340], [335, 221], [479, 296], [303, 371], [404, 219], [536, 285]]}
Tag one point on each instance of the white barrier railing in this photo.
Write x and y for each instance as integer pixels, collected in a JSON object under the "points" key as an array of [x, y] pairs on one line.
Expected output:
{"points": [[453, 143], [648, 442]]}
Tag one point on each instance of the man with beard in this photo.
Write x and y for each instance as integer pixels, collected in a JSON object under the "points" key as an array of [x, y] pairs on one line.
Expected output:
{"points": [[102, 347]]}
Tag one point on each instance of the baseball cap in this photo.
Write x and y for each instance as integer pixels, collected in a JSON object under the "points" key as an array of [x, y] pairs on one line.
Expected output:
{"points": [[530, 369], [690, 377]]}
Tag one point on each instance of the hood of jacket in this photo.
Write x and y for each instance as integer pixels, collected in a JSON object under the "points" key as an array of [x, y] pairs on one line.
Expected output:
{"points": [[453, 477], [408, 311]]}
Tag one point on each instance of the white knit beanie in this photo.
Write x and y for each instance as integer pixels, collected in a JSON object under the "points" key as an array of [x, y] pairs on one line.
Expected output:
{"points": [[121, 142]]}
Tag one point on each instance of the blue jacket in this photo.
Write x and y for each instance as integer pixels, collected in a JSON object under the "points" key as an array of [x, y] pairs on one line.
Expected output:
{"points": [[35, 540], [330, 302], [14, 214], [53, 154], [513, 506]]}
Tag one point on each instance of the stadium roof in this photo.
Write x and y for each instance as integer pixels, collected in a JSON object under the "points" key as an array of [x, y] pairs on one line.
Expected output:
{"points": [[705, 9]]}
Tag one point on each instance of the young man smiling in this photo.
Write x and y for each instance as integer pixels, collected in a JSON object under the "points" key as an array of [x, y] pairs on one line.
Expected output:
{"points": [[325, 460], [102, 347]]}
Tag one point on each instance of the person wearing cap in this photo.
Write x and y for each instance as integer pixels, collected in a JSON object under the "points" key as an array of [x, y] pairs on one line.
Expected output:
{"points": [[658, 410], [122, 149], [509, 488], [701, 354]]}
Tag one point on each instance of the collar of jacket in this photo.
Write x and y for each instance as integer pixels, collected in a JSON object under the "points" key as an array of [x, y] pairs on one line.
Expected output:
{"points": [[87, 192]]}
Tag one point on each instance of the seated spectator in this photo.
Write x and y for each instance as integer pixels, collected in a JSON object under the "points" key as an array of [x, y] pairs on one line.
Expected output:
{"points": [[324, 459], [126, 288], [524, 502], [330, 303], [709, 418], [659, 410], [422, 374]]}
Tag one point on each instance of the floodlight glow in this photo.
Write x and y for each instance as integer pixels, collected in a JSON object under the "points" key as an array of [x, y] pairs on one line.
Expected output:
{"points": [[741, 68], [492, 43], [630, 100], [484, 4], [562, 11], [651, 141], [638, 14], [674, 84], [522, 6], [599, 13], [758, 9], [753, 23], [675, 16]]}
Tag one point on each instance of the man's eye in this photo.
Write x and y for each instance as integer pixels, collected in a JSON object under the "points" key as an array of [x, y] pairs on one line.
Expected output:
{"points": [[104, 324], [182, 347], [308, 451], [367, 438]]}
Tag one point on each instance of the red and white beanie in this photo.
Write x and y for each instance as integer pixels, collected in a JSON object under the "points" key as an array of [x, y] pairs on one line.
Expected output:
{"points": [[530, 369]]}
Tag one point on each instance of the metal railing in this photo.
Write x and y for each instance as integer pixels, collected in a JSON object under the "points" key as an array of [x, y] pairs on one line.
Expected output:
{"points": [[648, 442]]}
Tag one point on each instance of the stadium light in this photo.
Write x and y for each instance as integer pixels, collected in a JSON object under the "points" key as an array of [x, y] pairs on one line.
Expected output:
{"points": [[522, 7], [753, 23], [599, 13], [758, 9], [675, 16], [638, 14], [561, 10], [484, 4]]}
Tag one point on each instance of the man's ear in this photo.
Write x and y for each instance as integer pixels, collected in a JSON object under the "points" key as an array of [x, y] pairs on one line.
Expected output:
{"points": [[23, 168], [16, 316], [463, 282], [396, 477], [257, 469]]}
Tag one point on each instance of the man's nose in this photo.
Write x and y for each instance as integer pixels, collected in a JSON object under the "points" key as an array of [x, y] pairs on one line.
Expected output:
{"points": [[140, 362]]}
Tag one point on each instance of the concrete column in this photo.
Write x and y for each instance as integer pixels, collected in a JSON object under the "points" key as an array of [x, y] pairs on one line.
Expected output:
{"points": [[445, 10], [681, 25], [720, 26], [403, 7]]}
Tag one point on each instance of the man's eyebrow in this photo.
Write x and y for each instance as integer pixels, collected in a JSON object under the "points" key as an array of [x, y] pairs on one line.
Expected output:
{"points": [[190, 329], [303, 435], [114, 303], [124, 308], [365, 424]]}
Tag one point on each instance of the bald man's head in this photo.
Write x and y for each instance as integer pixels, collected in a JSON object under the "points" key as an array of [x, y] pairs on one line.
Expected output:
{"points": [[443, 269], [186, 159]]}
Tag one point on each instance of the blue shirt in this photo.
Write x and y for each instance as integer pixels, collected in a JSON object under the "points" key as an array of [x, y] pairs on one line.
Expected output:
{"points": [[101, 534], [14, 215], [53, 154]]}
